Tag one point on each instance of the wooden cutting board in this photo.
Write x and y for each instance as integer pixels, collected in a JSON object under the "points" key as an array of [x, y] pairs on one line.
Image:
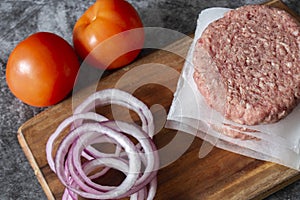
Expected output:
{"points": [[219, 175]]}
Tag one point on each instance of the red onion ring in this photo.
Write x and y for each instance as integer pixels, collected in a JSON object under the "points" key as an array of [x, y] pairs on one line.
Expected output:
{"points": [[118, 97], [138, 162], [134, 161], [62, 126], [149, 154]]}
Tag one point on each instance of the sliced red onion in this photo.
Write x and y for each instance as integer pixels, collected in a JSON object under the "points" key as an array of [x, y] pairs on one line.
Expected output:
{"points": [[133, 157], [150, 158], [149, 154], [86, 140], [151, 162], [118, 97], [68, 195], [138, 162], [65, 124]]}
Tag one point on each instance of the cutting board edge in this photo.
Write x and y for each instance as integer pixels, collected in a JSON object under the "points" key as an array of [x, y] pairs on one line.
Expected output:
{"points": [[37, 171], [291, 12], [289, 180], [272, 2]]}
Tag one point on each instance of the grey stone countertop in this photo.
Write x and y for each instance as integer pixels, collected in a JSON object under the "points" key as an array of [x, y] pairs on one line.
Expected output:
{"points": [[20, 18]]}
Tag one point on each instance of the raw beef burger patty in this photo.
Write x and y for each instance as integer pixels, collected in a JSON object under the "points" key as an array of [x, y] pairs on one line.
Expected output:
{"points": [[247, 64]]}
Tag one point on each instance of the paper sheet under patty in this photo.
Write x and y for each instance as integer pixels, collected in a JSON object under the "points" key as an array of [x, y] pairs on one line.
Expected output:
{"points": [[278, 142]]}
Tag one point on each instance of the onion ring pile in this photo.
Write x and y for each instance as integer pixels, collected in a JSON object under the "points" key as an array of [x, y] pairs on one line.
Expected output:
{"points": [[77, 162]]}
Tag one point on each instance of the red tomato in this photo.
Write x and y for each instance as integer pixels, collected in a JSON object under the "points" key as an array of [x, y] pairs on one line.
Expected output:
{"points": [[42, 69], [104, 19]]}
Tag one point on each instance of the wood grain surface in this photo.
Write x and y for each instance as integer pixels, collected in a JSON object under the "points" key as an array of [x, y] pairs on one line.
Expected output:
{"points": [[219, 175]]}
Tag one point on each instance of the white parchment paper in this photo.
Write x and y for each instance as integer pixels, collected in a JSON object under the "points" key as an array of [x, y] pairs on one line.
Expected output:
{"points": [[277, 142]]}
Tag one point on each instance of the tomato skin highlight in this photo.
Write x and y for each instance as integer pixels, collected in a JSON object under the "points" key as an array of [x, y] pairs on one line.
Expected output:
{"points": [[94, 31], [42, 69]]}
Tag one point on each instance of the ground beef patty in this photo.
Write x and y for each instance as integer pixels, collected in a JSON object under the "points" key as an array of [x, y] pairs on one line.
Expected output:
{"points": [[247, 64]]}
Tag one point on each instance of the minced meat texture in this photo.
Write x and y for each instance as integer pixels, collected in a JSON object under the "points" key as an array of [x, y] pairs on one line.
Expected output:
{"points": [[247, 64]]}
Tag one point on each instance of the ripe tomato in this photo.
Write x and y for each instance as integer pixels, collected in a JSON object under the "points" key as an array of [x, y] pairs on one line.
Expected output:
{"points": [[106, 25], [42, 69]]}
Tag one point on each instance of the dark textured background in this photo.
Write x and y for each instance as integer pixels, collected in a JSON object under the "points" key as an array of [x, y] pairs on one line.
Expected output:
{"points": [[20, 18]]}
